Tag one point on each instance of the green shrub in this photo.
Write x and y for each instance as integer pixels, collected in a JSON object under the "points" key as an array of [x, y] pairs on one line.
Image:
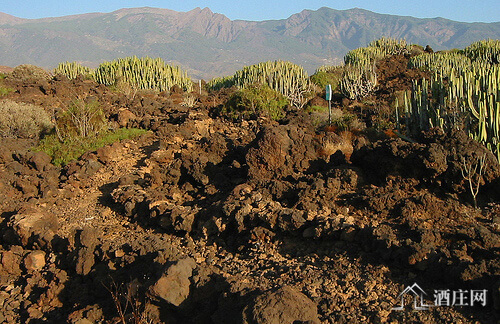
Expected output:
{"points": [[23, 120], [343, 121], [29, 73], [71, 148], [5, 90], [332, 77], [80, 128], [255, 100], [316, 109]]}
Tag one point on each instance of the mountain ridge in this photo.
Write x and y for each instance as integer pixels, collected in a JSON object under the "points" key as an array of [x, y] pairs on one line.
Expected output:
{"points": [[209, 44]]}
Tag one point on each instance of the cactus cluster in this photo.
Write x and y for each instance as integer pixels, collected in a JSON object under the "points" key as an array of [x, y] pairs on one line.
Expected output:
{"points": [[442, 63], [391, 46], [287, 78], [463, 95], [360, 78], [330, 68], [73, 69], [364, 56], [143, 73], [486, 50], [376, 50], [140, 73], [358, 81]]}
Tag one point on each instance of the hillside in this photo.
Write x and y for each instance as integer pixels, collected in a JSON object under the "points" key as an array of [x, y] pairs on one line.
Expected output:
{"points": [[208, 44], [213, 211]]}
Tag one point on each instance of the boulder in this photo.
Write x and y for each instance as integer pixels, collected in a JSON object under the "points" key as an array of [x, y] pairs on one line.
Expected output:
{"points": [[173, 286], [34, 227], [285, 305], [34, 261]]}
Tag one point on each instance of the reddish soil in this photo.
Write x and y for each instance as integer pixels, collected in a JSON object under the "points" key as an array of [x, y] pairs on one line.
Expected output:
{"points": [[211, 220]]}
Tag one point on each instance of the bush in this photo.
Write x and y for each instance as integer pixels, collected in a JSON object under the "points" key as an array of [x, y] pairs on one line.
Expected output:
{"points": [[343, 121], [5, 90], [23, 120], [323, 78], [63, 152], [81, 119], [255, 100], [29, 73]]}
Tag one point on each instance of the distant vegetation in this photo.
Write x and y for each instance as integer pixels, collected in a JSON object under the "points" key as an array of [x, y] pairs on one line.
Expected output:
{"points": [[139, 73], [287, 78]]}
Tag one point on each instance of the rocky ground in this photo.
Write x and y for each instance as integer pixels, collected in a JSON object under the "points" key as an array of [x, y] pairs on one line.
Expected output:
{"points": [[210, 220]]}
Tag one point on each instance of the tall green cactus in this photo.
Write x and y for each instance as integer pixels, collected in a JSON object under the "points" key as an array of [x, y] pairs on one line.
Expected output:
{"points": [[140, 73], [143, 73], [469, 99], [73, 69], [287, 78], [358, 81]]}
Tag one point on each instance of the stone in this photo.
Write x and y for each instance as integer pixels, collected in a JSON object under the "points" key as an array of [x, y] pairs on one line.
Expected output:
{"points": [[40, 160], [34, 261], [85, 260], [284, 305], [125, 116], [35, 226], [173, 286], [109, 153]]}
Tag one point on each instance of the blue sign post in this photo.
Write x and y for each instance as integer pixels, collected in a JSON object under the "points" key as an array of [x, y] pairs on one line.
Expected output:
{"points": [[329, 98]]}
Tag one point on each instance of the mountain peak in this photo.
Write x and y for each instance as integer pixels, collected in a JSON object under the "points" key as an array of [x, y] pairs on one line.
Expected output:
{"points": [[9, 19], [209, 44]]}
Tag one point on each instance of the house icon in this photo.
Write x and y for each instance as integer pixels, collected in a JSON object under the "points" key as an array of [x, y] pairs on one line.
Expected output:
{"points": [[418, 298]]}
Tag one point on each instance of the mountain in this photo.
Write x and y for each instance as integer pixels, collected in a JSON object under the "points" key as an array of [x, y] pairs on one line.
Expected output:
{"points": [[209, 44]]}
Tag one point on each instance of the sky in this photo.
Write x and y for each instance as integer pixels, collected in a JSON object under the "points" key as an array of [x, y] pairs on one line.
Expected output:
{"points": [[459, 10]]}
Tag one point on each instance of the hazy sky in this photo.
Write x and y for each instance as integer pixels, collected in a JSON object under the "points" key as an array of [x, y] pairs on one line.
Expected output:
{"points": [[460, 10]]}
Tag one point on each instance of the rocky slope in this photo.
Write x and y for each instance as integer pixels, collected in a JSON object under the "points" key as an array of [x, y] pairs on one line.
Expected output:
{"points": [[210, 220]]}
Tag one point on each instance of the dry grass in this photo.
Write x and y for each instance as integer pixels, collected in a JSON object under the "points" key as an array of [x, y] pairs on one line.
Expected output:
{"points": [[23, 120], [334, 143]]}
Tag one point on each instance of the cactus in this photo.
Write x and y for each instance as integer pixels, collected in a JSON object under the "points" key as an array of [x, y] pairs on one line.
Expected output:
{"points": [[359, 78], [285, 77], [469, 99], [391, 46], [330, 68], [358, 81], [486, 50], [140, 73], [375, 51], [73, 69]]}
